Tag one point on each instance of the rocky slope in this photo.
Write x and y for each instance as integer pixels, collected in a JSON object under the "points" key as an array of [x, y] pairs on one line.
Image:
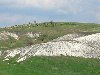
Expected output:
{"points": [[78, 45], [6, 35]]}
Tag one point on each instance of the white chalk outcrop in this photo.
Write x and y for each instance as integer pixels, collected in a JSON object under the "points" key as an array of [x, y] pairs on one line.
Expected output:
{"points": [[33, 35], [5, 35], [68, 45]]}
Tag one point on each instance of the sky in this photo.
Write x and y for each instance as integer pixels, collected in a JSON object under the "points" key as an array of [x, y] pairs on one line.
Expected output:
{"points": [[14, 12]]}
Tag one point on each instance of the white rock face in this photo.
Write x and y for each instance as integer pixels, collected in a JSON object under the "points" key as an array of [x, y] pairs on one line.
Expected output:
{"points": [[15, 36], [4, 35], [68, 37], [0, 53], [68, 45], [33, 35]]}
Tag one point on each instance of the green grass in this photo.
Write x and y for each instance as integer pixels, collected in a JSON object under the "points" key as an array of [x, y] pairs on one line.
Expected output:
{"points": [[52, 66]]}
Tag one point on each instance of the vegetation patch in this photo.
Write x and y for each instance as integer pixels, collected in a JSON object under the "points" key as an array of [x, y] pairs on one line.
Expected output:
{"points": [[52, 66]]}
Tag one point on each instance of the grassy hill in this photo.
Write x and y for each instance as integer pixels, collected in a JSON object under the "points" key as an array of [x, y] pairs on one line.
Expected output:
{"points": [[48, 65], [48, 31]]}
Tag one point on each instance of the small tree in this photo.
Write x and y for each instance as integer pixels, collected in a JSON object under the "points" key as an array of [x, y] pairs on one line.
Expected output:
{"points": [[35, 23], [52, 23], [29, 23]]}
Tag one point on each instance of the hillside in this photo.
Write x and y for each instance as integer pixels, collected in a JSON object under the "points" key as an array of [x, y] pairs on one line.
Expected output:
{"points": [[30, 34], [57, 48]]}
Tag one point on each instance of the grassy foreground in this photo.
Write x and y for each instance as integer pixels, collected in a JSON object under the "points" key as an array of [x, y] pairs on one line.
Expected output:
{"points": [[52, 66]]}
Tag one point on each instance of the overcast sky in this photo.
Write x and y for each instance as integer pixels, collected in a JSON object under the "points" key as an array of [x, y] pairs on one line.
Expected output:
{"points": [[22, 11]]}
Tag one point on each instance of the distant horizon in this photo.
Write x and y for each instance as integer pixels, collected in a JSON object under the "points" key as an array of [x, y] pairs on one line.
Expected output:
{"points": [[44, 22], [14, 12]]}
